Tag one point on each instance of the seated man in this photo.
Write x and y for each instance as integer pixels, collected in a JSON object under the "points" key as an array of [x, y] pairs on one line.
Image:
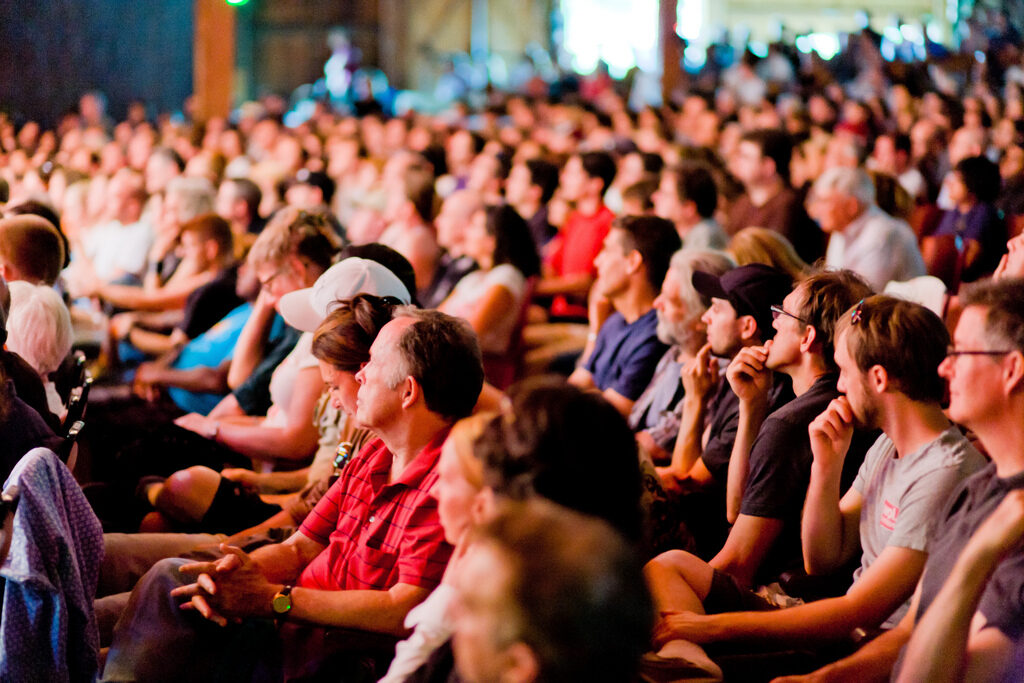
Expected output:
{"points": [[679, 307], [962, 639], [739, 316], [630, 269], [888, 352], [546, 594], [371, 549]]}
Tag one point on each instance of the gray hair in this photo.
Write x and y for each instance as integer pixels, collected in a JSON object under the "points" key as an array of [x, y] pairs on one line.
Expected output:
{"points": [[197, 196], [684, 262], [38, 326], [852, 182]]}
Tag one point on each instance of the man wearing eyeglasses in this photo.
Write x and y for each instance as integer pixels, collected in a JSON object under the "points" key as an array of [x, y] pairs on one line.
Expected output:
{"points": [[967, 615], [887, 356]]}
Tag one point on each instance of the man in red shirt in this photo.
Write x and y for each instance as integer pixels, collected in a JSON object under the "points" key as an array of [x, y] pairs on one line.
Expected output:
{"points": [[569, 260], [371, 549]]}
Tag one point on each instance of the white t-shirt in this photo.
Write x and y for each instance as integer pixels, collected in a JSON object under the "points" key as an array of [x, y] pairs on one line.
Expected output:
{"points": [[282, 382], [466, 296]]}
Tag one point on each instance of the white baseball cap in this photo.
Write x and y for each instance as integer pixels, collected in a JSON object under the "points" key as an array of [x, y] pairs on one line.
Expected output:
{"points": [[305, 309]]}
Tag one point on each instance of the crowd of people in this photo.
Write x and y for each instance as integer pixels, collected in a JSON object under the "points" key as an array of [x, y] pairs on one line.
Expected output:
{"points": [[729, 389]]}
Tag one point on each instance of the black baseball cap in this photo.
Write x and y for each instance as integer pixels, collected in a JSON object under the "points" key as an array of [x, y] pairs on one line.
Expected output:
{"points": [[752, 290]]}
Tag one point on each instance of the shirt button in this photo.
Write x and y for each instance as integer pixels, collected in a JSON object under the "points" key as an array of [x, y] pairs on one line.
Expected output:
{"points": [[373, 518]]}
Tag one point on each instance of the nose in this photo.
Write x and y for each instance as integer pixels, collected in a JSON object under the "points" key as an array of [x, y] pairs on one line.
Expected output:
{"points": [[946, 367], [359, 375], [659, 303]]}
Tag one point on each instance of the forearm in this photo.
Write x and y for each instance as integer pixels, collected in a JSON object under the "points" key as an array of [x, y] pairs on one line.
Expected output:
{"points": [[250, 344], [826, 620], [267, 443], [575, 284], [750, 419], [872, 663], [151, 343], [137, 298], [199, 379], [823, 535], [367, 610], [688, 444], [937, 649]]}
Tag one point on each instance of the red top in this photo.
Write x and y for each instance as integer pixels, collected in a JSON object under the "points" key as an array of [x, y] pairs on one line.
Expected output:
{"points": [[574, 249], [379, 534]]}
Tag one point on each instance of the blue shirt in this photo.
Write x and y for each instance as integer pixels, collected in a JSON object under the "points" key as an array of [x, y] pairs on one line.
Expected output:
{"points": [[210, 350], [625, 354]]}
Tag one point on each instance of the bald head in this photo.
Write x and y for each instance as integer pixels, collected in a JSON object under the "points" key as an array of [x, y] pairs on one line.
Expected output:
{"points": [[31, 249]]}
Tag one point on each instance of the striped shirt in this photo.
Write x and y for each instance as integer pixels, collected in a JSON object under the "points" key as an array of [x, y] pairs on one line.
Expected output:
{"points": [[379, 534]]}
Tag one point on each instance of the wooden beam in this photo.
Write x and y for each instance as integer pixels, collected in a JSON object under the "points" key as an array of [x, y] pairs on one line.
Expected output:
{"points": [[213, 60], [671, 72]]}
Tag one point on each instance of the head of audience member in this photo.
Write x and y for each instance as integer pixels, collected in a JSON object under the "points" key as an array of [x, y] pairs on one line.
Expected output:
{"points": [[530, 185], [547, 594], [741, 299], [309, 190], [184, 199], [686, 195], [487, 174], [638, 198], [460, 491], [761, 245], [567, 445], [885, 344], [586, 177], [805, 323], [762, 158], [452, 222], [238, 201], [986, 389], [840, 196], [292, 252], [341, 344], [163, 166], [45, 210], [425, 368], [974, 180], [38, 326], [410, 200], [126, 195], [31, 249], [635, 256], [498, 235], [966, 142], [680, 307], [207, 242]]}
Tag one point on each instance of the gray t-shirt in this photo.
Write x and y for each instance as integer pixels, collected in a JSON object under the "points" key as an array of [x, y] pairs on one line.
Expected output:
{"points": [[903, 497]]}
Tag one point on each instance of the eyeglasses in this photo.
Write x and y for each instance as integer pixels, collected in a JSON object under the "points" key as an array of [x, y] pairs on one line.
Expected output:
{"points": [[779, 310], [953, 353]]}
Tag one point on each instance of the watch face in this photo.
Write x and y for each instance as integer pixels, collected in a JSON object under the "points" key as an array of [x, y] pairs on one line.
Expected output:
{"points": [[282, 603]]}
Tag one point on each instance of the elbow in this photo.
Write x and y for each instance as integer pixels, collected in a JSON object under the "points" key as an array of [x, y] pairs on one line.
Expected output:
{"points": [[732, 513]]}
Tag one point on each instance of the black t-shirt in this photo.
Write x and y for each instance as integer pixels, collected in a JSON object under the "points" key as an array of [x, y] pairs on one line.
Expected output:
{"points": [[205, 306], [971, 503], [21, 430], [780, 471], [28, 386]]}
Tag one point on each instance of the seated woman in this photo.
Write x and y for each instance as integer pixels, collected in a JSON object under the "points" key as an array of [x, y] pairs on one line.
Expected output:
{"points": [[290, 254], [199, 497], [973, 186], [39, 330], [499, 240]]}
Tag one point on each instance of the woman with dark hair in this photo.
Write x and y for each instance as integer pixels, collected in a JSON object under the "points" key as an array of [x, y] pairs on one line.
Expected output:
{"points": [[228, 502], [973, 186], [500, 242]]}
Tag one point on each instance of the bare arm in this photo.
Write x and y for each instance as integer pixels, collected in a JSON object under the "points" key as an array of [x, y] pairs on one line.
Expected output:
{"points": [[749, 541], [881, 589], [200, 379], [171, 295], [699, 376], [252, 339], [751, 381], [574, 284], [829, 532]]}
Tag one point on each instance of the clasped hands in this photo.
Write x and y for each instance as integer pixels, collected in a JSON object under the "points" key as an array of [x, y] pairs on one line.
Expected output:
{"points": [[227, 589]]}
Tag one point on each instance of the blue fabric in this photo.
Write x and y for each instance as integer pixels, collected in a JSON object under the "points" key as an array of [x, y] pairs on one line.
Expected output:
{"points": [[48, 627], [210, 350], [625, 354]]}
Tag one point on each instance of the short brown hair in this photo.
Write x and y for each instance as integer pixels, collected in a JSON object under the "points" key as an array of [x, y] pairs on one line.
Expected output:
{"points": [[827, 295], [1004, 317], [292, 232], [210, 226], [905, 338], [33, 246]]}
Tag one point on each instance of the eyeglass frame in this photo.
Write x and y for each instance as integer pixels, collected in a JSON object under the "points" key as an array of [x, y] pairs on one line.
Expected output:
{"points": [[779, 310]]}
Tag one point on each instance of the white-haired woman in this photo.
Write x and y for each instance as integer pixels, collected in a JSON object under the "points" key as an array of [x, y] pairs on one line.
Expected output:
{"points": [[39, 330]]}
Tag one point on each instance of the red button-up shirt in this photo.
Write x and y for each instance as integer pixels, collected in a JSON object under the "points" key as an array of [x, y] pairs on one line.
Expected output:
{"points": [[379, 534]]}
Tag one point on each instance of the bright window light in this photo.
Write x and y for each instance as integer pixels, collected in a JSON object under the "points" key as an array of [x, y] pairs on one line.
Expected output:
{"points": [[624, 33]]}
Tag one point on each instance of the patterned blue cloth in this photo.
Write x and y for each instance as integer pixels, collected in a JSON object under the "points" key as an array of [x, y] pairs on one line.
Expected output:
{"points": [[48, 627]]}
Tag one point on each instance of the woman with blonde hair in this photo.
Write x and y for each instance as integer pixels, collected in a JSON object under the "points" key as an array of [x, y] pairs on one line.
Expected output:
{"points": [[761, 245]]}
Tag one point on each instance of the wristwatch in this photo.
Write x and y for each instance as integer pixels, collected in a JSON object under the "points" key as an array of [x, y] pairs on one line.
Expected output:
{"points": [[282, 602]]}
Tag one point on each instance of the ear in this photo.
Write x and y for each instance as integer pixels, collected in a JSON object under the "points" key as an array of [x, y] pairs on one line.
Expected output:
{"points": [[1013, 371], [808, 339], [878, 379], [520, 664], [411, 392], [748, 327], [481, 508], [635, 261]]}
